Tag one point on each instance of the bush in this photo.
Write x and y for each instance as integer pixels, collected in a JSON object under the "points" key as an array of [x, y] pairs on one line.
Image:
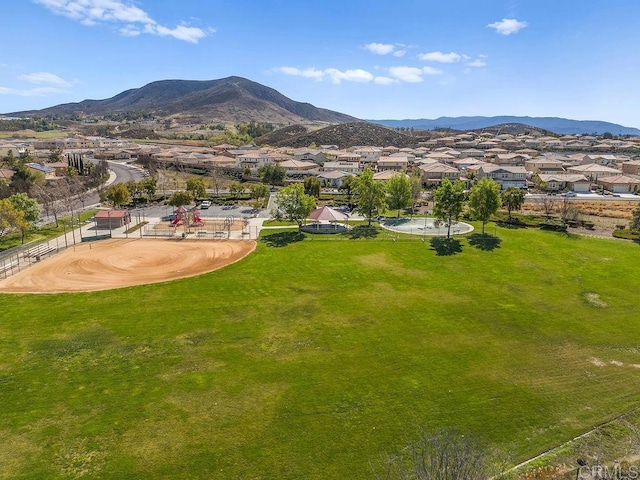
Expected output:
{"points": [[626, 234], [554, 226]]}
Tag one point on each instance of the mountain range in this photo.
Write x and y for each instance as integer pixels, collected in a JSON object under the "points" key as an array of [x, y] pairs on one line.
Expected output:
{"points": [[562, 126], [231, 99], [237, 99]]}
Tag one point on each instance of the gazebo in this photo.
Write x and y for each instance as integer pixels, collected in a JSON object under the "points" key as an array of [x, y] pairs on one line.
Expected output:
{"points": [[327, 220]]}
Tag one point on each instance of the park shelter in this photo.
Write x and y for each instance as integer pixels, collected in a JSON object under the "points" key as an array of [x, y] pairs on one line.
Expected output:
{"points": [[112, 218]]}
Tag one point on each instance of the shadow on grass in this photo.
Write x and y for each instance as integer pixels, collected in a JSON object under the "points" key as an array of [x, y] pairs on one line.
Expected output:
{"points": [[484, 242], [513, 224], [362, 231], [282, 239], [445, 246]]}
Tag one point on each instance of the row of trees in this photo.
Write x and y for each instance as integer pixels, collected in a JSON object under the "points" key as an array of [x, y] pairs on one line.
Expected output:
{"points": [[372, 197], [484, 201]]}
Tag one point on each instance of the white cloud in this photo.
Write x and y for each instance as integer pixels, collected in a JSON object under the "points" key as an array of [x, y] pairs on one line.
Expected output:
{"points": [[307, 73], [130, 31], [507, 26], [440, 57], [384, 80], [336, 76], [181, 32], [407, 74], [44, 78], [358, 75], [93, 12], [396, 74], [380, 48], [477, 63], [431, 71], [399, 53]]}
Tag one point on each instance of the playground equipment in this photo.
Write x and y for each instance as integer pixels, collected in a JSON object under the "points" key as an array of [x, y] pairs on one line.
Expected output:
{"points": [[180, 216], [196, 221]]}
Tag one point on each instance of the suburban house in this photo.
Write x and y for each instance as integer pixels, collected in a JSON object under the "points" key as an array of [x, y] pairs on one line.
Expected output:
{"points": [[434, 173], [348, 167], [505, 176], [253, 161], [593, 171], [510, 159], [619, 183], [309, 155], [368, 155], [631, 167], [46, 170], [298, 166], [386, 175], [609, 160], [389, 150], [397, 162], [556, 182], [544, 165], [332, 178]]}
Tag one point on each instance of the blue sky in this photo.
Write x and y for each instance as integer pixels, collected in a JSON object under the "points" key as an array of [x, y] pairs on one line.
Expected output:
{"points": [[367, 58]]}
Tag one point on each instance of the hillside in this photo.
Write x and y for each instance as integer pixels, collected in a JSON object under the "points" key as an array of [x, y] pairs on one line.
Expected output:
{"points": [[231, 99], [561, 126], [344, 135]]}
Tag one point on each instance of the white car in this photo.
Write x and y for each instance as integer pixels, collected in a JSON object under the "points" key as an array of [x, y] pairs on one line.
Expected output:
{"points": [[206, 204], [570, 194]]}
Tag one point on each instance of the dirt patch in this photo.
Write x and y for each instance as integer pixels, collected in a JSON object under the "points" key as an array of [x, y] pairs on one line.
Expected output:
{"points": [[116, 263], [595, 300]]}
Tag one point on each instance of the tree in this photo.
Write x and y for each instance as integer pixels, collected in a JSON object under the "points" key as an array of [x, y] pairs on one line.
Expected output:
{"points": [[312, 186], [27, 205], [149, 186], [116, 194], [568, 210], [11, 219], [30, 210], [135, 189], [449, 202], [443, 455], [260, 193], [180, 198], [484, 200], [293, 204], [398, 192], [548, 203], [236, 189], [196, 187], [369, 193], [635, 220], [416, 190], [347, 187], [272, 174], [218, 180], [513, 199]]}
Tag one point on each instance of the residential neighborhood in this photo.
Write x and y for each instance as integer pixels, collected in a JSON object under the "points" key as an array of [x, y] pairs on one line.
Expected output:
{"points": [[544, 164]]}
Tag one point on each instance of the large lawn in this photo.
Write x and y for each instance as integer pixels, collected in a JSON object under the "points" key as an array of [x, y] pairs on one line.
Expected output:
{"points": [[311, 360]]}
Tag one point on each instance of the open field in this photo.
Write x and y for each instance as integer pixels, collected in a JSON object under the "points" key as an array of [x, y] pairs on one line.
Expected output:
{"points": [[311, 359]]}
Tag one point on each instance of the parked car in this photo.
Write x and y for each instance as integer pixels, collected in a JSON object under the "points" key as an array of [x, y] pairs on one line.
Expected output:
{"points": [[206, 204], [570, 194]]}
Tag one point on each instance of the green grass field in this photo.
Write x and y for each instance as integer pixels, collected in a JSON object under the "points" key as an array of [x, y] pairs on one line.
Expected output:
{"points": [[313, 359]]}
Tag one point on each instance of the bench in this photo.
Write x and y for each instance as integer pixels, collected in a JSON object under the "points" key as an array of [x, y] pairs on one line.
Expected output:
{"points": [[8, 266], [39, 251]]}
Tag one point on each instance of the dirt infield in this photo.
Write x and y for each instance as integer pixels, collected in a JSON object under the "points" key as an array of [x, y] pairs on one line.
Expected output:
{"points": [[115, 263]]}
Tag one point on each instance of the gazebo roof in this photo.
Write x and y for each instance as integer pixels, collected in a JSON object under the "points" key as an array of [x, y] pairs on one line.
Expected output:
{"points": [[327, 213]]}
